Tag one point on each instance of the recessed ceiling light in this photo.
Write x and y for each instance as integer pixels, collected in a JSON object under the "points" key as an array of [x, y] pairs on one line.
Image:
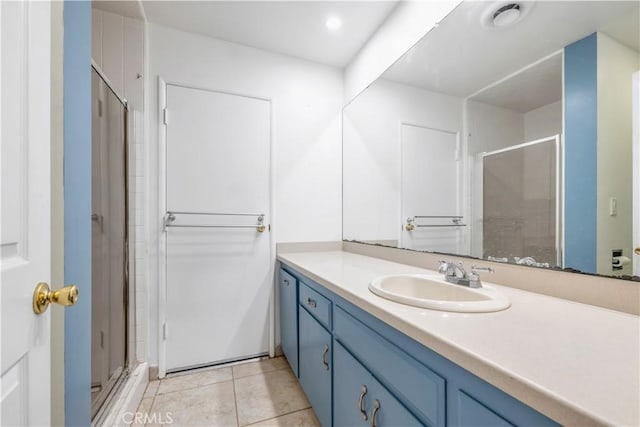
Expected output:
{"points": [[506, 15], [333, 23]]}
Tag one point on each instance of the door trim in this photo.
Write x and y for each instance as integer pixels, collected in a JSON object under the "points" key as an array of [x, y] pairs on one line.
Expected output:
{"points": [[162, 209]]}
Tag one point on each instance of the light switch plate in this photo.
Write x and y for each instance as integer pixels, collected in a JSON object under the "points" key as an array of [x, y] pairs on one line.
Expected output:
{"points": [[613, 206]]}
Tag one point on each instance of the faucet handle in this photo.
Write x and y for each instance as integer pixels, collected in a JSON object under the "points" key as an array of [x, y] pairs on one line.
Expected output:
{"points": [[443, 266], [476, 269], [447, 267], [474, 277]]}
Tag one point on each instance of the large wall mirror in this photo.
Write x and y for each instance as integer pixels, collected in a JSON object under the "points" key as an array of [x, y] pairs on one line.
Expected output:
{"points": [[508, 133]]}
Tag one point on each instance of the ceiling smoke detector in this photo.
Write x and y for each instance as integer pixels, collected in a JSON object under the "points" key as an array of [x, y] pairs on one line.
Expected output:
{"points": [[506, 15]]}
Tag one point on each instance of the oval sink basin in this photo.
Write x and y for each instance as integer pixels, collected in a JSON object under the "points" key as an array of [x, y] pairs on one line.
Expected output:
{"points": [[433, 292]]}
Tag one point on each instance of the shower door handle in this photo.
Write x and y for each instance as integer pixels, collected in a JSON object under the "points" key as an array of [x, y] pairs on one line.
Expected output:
{"points": [[99, 219]]}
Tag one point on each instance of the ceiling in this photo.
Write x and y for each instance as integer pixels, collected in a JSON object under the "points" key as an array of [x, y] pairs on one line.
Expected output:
{"points": [[463, 55], [532, 88], [130, 8], [294, 28]]}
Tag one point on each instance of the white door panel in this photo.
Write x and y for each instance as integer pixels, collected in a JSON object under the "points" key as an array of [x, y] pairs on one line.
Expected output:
{"points": [[25, 240], [430, 187], [217, 152], [218, 279], [219, 288]]}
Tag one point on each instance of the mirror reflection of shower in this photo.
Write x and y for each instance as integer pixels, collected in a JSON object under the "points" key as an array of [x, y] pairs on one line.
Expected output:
{"points": [[109, 237], [520, 203], [515, 128]]}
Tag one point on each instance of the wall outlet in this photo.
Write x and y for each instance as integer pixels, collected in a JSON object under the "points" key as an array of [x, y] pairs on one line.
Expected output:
{"points": [[615, 253]]}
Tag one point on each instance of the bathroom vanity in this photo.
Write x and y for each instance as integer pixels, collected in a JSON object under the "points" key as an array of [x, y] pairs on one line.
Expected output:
{"points": [[365, 360]]}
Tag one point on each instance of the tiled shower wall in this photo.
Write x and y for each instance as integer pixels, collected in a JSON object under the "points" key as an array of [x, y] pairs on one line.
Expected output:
{"points": [[138, 194], [118, 50]]}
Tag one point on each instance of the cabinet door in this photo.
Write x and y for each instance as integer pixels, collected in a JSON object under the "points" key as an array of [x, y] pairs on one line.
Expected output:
{"points": [[352, 389], [315, 365], [360, 400], [386, 410], [289, 319], [473, 413]]}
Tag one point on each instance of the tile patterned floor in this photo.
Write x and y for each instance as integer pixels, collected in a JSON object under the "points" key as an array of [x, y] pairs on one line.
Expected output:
{"points": [[262, 393]]}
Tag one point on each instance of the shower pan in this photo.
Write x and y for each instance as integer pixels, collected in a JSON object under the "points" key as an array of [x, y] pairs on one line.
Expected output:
{"points": [[110, 243]]}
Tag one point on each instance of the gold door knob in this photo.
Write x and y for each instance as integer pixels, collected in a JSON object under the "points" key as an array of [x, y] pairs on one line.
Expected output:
{"points": [[637, 250], [43, 296], [409, 227]]}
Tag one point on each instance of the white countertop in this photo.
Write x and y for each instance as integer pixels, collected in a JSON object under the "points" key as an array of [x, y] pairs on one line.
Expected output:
{"points": [[576, 363]]}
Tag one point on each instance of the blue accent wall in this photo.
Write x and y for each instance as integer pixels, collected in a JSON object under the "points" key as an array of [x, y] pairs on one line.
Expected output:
{"points": [[77, 209], [581, 146]]}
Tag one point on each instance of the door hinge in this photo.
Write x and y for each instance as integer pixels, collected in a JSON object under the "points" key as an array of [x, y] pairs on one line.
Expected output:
{"points": [[165, 331], [165, 116]]}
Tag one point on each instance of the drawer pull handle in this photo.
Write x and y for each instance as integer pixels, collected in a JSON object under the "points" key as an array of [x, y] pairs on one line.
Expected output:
{"points": [[286, 282], [374, 412], [363, 392], [311, 303], [325, 351]]}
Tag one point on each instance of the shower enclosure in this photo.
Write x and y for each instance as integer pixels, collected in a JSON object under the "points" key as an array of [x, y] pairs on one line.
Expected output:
{"points": [[521, 218], [110, 264]]}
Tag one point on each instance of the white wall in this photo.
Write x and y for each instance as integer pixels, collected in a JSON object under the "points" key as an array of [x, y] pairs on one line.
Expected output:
{"points": [[371, 181], [117, 47], [543, 122], [307, 101], [616, 65], [404, 27], [492, 128]]}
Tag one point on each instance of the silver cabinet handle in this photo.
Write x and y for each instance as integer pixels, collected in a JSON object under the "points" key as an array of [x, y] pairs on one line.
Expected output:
{"points": [[286, 282], [325, 351], [363, 392], [374, 412], [311, 303]]}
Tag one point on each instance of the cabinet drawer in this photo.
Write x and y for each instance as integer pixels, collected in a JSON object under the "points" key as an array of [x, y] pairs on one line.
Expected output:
{"points": [[422, 389], [316, 304]]}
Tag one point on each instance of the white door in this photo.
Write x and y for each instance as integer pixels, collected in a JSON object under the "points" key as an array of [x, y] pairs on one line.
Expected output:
{"points": [[218, 258], [25, 237], [636, 173], [430, 190]]}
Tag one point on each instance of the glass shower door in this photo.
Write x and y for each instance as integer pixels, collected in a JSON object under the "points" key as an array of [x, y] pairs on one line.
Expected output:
{"points": [[109, 242], [521, 202]]}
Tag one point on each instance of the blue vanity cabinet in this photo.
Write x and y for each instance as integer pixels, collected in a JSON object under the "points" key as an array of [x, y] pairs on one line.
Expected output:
{"points": [[360, 400], [288, 287], [342, 349], [315, 365]]}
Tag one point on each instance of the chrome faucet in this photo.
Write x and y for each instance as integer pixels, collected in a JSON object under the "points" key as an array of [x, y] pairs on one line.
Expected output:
{"points": [[456, 274]]}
